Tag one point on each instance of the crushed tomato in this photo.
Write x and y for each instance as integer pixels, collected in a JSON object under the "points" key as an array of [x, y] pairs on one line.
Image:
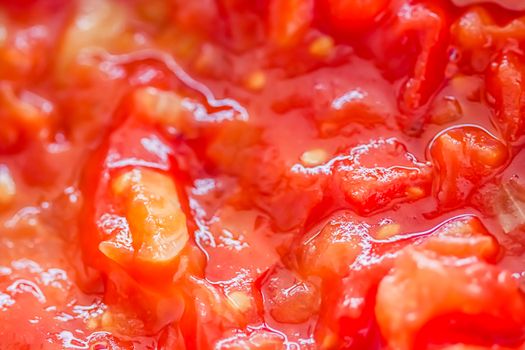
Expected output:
{"points": [[262, 174]]}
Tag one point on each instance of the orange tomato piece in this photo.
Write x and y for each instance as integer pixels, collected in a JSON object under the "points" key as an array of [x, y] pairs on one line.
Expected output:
{"points": [[156, 222], [477, 35]]}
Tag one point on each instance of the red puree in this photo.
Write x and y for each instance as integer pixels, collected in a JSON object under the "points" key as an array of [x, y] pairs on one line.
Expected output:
{"points": [[262, 174]]}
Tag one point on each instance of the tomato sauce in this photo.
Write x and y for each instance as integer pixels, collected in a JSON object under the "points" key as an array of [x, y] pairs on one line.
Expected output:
{"points": [[268, 174]]}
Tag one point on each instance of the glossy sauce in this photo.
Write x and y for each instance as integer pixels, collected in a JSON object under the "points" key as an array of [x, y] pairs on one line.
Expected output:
{"points": [[261, 174]]}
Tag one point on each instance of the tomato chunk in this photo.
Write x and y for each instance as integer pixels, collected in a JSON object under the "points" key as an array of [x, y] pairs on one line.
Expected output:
{"points": [[157, 226], [374, 175], [455, 287], [214, 314], [464, 157], [464, 237], [348, 301], [137, 222], [332, 249], [477, 35]]}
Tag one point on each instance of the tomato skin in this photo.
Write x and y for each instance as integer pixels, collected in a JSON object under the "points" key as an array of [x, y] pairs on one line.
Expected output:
{"points": [[506, 85], [354, 15], [428, 25]]}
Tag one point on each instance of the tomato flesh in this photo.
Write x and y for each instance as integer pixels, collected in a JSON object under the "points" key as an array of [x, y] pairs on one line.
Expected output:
{"points": [[269, 174]]}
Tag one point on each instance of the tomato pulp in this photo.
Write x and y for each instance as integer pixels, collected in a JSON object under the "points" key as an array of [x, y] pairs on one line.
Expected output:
{"points": [[269, 174]]}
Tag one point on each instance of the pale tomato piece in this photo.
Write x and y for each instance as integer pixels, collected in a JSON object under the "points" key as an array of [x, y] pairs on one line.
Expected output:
{"points": [[423, 286], [135, 220], [7, 187], [24, 46], [464, 158], [213, 306], [25, 116], [508, 203], [472, 37]]}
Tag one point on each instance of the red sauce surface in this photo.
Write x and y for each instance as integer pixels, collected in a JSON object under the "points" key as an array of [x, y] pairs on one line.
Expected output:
{"points": [[268, 174]]}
